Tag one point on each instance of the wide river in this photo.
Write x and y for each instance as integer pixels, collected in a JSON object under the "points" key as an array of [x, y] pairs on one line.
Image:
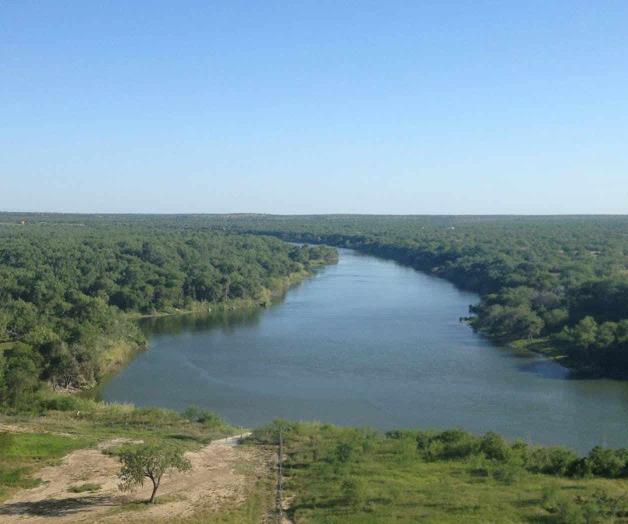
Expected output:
{"points": [[368, 342]]}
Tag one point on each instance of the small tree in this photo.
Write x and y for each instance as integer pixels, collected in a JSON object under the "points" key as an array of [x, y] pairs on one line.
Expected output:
{"points": [[21, 373], [149, 461]]}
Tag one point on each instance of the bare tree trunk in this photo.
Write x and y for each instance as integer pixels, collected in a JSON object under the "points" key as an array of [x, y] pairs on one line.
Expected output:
{"points": [[152, 495]]}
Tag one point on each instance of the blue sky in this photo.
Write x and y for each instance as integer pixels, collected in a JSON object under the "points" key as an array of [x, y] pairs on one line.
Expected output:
{"points": [[314, 107]]}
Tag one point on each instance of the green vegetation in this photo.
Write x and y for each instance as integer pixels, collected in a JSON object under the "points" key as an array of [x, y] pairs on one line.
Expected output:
{"points": [[557, 284], [70, 287], [88, 487], [338, 474], [142, 461], [67, 293], [554, 284], [23, 453], [67, 423]]}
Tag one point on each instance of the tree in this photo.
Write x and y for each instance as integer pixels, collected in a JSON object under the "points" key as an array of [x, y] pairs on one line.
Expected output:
{"points": [[495, 447], [21, 373], [149, 461], [584, 333]]}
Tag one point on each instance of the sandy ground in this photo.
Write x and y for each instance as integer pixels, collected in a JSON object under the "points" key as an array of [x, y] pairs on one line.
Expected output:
{"points": [[213, 481]]}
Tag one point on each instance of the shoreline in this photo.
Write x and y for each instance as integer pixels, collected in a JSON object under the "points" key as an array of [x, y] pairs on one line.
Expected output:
{"points": [[125, 352], [547, 350]]}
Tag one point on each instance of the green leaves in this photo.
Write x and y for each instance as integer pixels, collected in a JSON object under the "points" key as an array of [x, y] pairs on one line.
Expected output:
{"points": [[149, 461], [64, 290]]}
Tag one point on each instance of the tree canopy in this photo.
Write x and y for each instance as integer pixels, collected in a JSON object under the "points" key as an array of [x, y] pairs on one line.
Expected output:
{"points": [[67, 290]]}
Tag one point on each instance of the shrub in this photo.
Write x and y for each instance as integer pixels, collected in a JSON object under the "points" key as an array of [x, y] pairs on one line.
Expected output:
{"points": [[606, 462], [82, 488], [353, 492], [202, 416], [495, 447], [508, 473], [269, 434], [61, 403], [566, 511], [451, 444], [580, 468], [344, 452], [553, 460]]}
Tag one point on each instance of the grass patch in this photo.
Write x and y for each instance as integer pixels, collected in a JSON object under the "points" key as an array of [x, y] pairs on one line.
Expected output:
{"points": [[41, 446], [349, 475], [88, 487], [21, 454]]}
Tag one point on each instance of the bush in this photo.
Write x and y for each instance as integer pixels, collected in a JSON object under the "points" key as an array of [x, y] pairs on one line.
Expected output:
{"points": [[580, 468], [553, 460], [83, 488], [507, 473], [495, 447], [202, 416], [61, 403], [269, 434], [565, 509], [606, 462], [344, 452], [353, 492], [451, 444]]}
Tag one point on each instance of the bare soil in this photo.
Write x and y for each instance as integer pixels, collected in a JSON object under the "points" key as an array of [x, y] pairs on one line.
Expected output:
{"points": [[215, 480]]}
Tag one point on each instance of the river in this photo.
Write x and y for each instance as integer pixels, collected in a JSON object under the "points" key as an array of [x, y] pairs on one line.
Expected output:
{"points": [[372, 343]]}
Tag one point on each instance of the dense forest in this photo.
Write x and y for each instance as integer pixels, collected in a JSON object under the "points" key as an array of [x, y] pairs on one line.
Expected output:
{"points": [[68, 292], [554, 284]]}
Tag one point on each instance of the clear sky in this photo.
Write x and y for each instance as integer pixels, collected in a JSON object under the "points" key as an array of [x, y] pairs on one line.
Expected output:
{"points": [[314, 106]]}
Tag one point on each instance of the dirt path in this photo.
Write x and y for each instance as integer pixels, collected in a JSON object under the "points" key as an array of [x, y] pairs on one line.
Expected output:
{"points": [[213, 481]]}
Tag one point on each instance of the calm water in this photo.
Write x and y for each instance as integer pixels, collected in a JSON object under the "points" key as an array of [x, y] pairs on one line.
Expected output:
{"points": [[368, 342]]}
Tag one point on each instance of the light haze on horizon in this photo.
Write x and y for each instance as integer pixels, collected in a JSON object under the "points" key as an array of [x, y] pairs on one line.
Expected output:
{"points": [[314, 107]]}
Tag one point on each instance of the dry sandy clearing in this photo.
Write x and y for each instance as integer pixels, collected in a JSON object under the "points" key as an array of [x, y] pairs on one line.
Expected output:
{"points": [[214, 481]]}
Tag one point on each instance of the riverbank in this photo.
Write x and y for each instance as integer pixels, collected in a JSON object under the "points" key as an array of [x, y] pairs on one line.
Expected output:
{"points": [[267, 296], [422, 262], [367, 342], [344, 475], [62, 467], [120, 352]]}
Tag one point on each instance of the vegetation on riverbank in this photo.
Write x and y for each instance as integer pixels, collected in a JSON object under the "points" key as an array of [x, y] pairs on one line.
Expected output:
{"points": [[556, 284], [349, 475], [334, 474], [68, 294]]}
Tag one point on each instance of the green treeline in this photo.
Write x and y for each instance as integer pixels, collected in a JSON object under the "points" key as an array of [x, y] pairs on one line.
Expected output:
{"points": [[558, 284], [67, 291]]}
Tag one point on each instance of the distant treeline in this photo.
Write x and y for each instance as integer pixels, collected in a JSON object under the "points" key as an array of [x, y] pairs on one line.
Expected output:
{"points": [[66, 290]]}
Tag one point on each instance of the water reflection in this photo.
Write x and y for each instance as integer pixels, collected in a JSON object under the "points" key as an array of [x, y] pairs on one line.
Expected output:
{"points": [[225, 320]]}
